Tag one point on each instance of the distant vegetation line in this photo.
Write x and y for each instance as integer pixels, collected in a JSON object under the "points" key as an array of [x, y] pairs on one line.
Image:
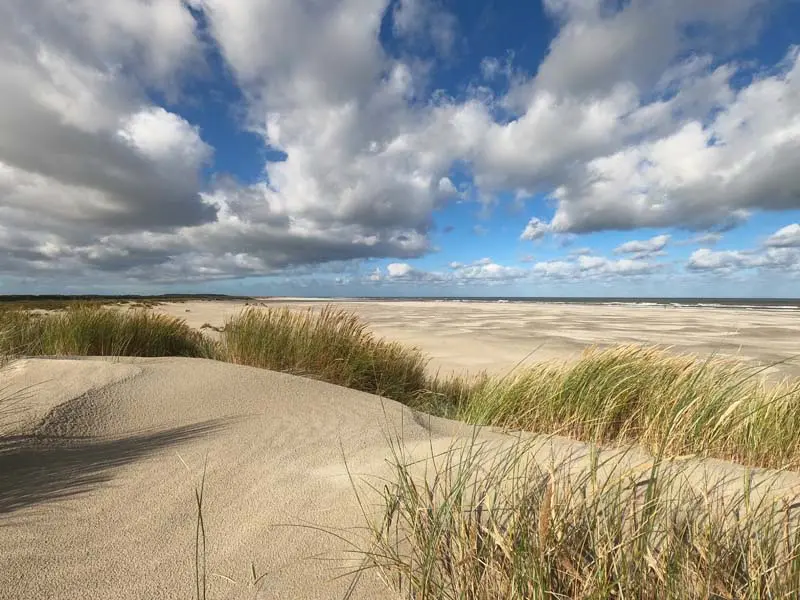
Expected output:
{"points": [[58, 301], [72, 298]]}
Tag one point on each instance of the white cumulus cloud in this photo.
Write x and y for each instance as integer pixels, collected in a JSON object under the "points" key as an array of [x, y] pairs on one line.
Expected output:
{"points": [[786, 237], [534, 230], [643, 248]]}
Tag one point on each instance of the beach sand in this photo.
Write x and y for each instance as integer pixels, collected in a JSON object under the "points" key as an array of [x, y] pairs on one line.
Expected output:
{"points": [[490, 336], [100, 458]]}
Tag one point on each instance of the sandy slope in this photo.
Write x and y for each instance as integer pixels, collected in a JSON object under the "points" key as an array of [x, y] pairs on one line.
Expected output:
{"points": [[96, 502], [100, 505]]}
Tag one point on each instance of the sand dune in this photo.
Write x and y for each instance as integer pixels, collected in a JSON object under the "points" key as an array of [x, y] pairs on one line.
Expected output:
{"points": [[96, 501], [98, 471]]}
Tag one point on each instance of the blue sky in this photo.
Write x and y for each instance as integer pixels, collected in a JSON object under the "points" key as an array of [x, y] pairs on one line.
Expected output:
{"points": [[400, 148]]}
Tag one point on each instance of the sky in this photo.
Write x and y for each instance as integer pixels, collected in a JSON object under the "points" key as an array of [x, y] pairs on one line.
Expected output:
{"points": [[401, 147]]}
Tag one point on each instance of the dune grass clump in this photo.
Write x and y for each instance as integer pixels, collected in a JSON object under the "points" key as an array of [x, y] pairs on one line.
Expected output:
{"points": [[331, 345], [91, 330], [668, 403], [487, 524]]}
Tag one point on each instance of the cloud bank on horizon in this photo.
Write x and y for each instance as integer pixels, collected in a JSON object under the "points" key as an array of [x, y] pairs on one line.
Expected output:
{"points": [[377, 147]]}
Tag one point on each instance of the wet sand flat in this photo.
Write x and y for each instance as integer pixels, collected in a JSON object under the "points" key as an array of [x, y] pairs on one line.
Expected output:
{"points": [[491, 336]]}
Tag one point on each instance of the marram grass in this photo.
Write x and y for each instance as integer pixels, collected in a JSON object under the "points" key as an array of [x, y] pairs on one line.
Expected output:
{"points": [[331, 345], [488, 524], [91, 330], [670, 404]]}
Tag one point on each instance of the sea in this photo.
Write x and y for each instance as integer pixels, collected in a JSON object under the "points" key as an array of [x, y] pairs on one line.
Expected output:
{"points": [[778, 304]]}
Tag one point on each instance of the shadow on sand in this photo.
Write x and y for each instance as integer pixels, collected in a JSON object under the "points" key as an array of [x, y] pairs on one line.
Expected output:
{"points": [[37, 468]]}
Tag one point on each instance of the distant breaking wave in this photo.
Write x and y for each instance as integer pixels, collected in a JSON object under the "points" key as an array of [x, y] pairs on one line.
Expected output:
{"points": [[677, 303]]}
